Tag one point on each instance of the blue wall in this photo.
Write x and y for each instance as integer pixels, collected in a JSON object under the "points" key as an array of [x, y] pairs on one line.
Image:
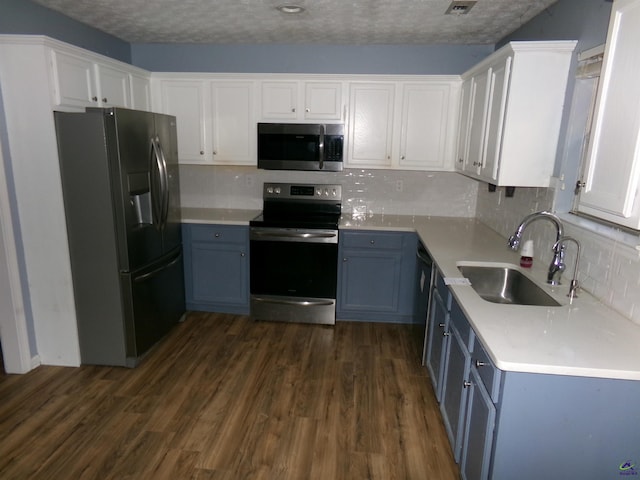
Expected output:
{"points": [[584, 20], [26, 17], [339, 59]]}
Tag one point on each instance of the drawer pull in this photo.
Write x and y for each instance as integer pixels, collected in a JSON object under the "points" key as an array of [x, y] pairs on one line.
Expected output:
{"points": [[441, 325], [217, 235], [466, 384], [480, 364], [446, 334]]}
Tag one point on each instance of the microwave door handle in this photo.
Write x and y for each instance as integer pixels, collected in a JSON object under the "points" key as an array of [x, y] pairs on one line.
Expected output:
{"points": [[321, 147]]}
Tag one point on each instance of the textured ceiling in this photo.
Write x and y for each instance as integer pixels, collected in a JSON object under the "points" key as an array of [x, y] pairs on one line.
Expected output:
{"points": [[322, 22]]}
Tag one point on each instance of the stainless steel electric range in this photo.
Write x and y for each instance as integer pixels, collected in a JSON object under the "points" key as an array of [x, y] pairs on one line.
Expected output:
{"points": [[294, 253]]}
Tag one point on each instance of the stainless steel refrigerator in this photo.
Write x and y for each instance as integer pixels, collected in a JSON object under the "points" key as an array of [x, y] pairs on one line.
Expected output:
{"points": [[120, 185]]}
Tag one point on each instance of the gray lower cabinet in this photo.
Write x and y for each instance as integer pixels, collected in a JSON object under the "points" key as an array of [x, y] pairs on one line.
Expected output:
{"points": [[455, 376], [216, 265], [504, 425], [376, 276], [438, 333]]}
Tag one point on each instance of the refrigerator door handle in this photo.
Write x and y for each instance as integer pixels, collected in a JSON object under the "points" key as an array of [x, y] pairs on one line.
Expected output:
{"points": [[155, 271], [158, 179], [165, 182]]}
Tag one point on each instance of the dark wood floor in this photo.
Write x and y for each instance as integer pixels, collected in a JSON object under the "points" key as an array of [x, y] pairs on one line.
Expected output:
{"points": [[226, 398]]}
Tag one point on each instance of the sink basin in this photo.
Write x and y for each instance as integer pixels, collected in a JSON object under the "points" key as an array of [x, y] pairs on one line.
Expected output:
{"points": [[504, 284]]}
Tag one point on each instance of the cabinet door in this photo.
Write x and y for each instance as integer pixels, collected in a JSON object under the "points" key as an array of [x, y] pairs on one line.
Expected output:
{"points": [[234, 125], [478, 431], [454, 391], [495, 118], [423, 127], [612, 173], [186, 100], [140, 92], [479, 98], [74, 80], [217, 273], [438, 341], [279, 100], [113, 85], [370, 127], [370, 280], [216, 268], [464, 122], [323, 101]]}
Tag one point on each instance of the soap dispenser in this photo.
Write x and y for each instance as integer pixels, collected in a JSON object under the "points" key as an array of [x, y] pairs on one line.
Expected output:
{"points": [[526, 256]]}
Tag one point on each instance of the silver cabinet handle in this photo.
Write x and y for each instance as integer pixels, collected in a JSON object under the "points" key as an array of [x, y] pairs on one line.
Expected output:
{"points": [[104, 99], [446, 334], [480, 364], [95, 99], [372, 242], [242, 254], [466, 384], [441, 325]]}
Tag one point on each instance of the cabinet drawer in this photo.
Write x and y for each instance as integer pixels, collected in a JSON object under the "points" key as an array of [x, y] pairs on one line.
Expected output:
{"points": [[487, 371], [219, 233], [372, 240], [460, 323]]}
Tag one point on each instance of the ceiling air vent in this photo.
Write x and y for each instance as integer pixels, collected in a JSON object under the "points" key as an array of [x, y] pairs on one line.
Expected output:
{"points": [[460, 7]]}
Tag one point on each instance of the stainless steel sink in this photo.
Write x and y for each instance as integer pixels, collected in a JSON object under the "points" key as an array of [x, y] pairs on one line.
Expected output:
{"points": [[504, 284]]}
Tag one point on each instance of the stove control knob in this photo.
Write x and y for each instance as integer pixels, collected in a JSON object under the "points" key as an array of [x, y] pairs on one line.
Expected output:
{"points": [[277, 190], [319, 192], [333, 192], [269, 190], [326, 192]]}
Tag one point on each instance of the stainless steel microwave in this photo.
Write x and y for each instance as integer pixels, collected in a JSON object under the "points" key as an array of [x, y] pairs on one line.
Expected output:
{"points": [[300, 146]]}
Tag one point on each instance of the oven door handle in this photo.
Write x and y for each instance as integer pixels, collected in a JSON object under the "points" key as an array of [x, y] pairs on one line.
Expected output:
{"points": [[294, 234], [300, 303]]}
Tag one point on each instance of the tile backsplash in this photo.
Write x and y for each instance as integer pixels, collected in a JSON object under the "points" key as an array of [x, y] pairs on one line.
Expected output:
{"points": [[609, 269], [390, 192]]}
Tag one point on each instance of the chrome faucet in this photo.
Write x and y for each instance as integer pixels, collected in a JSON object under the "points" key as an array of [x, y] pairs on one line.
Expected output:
{"points": [[557, 265], [573, 286]]}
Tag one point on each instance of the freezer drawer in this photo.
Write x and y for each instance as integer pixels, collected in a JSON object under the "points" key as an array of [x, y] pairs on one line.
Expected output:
{"points": [[154, 301]]}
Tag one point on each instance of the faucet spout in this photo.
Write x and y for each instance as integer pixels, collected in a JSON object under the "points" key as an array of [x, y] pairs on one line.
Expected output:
{"points": [[557, 264]]}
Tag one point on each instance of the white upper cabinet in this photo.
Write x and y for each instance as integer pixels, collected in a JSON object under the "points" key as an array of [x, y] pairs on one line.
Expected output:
{"points": [[302, 101], [370, 124], [234, 124], [86, 80], [403, 125], [141, 91], [188, 101], [425, 129], [216, 118], [612, 172], [74, 80], [510, 118]]}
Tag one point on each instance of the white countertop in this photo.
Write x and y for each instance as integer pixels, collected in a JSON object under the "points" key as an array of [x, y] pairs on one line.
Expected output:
{"points": [[222, 216], [585, 338]]}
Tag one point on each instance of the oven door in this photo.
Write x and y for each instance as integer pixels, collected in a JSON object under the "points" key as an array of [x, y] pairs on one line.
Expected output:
{"points": [[293, 274]]}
